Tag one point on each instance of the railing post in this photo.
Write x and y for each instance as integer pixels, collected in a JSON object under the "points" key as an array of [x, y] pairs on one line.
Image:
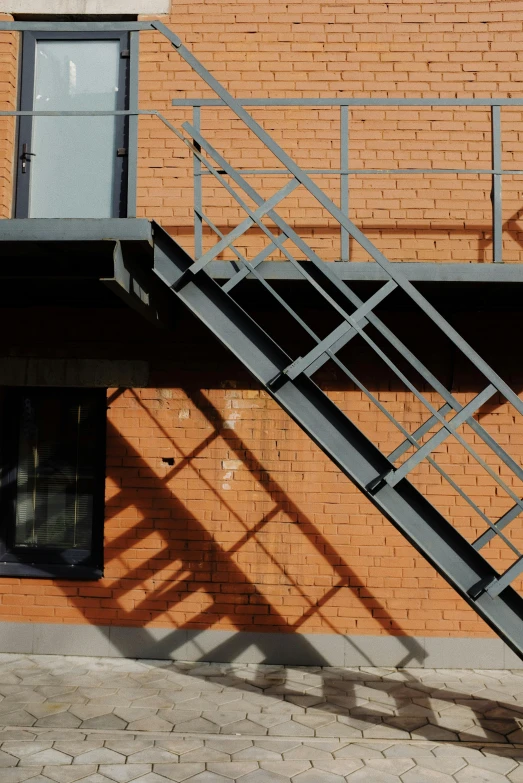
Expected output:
{"points": [[197, 190], [497, 211], [344, 181]]}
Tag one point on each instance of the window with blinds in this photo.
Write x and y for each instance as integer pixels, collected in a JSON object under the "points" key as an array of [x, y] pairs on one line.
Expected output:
{"points": [[52, 483]]}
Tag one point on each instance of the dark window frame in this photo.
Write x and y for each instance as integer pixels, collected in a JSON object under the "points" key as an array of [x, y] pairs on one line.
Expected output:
{"points": [[25, 124], [47, 563]]}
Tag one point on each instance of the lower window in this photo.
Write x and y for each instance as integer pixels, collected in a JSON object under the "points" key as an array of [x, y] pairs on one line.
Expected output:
{"points": [[52, 452]]}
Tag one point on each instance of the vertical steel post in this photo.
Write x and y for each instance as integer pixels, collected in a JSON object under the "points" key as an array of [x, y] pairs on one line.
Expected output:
{"points": [[132, 158], [197, 190], [497, 211], [344, 181]]}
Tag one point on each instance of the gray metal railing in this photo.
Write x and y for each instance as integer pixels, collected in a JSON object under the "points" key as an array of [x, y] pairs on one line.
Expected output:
{"points": [[344, 171]]}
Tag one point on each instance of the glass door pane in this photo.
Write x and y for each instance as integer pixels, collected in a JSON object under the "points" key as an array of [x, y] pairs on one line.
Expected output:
{"points": [[74, 158]]}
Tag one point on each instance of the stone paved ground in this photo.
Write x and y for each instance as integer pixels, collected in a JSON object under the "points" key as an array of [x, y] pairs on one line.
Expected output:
{"points": [[92, 720]]}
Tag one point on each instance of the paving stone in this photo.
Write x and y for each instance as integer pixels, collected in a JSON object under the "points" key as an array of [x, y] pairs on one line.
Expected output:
{"points": [[209, 777], [244, 727], [178, 772], [306, 752], [408, 750], [382, 731], [437, 733], [207, 754], [99, 756], [17, 735], [149, 777], [150, 724], [268, 719], [338, 729], [16, 774], [338, 766], [130, 714], [50, 757], [318, 776], [6, 760], [278, 745], [516, 776], [232, 769], [395, 766], [123, 773], [21, 749], [18, 718], [73, 748], [61, 719], [215, 716], [228, 745], [257, 754], [447, 764], [152, 756], [326, 744], [314, 721], [495, 763], [40, 779], [286, 768], [291, 729], [69, 774], [357, 751], [364, 775], [263, 776], [421, 774], [108, 721], [128, 745], [472, 773]]}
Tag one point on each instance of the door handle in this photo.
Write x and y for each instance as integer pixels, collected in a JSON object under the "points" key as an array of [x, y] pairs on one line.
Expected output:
{"points": [[26, 157]]}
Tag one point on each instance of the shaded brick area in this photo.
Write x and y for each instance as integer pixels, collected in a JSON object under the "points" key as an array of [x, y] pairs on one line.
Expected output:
{"points": [[251, 528]]}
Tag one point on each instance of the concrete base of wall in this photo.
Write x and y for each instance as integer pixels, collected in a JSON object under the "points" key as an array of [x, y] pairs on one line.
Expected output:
{"points": [[270, 648]]}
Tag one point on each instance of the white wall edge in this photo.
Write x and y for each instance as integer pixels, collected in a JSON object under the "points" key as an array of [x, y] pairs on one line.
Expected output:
{"points": [[97, 7]]}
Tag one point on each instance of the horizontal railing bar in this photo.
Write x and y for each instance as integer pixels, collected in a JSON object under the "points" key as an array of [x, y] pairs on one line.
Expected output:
{"points": [[115, 112], [379, 171], [74, 27], [352, 102]]}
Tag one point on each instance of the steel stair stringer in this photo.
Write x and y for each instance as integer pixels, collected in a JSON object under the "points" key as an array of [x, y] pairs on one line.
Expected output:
{"points": [[359, 459]]}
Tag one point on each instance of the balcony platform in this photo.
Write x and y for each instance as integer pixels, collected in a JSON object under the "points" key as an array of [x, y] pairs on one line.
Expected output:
{"points": [[54, 253]]}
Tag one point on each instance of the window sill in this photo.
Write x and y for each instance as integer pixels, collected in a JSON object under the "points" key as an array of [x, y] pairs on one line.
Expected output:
{"points": [[50, 571]]}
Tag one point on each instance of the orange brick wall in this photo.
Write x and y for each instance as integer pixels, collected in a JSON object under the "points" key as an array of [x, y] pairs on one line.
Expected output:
{"points": [[253, 528], [8, 79]]}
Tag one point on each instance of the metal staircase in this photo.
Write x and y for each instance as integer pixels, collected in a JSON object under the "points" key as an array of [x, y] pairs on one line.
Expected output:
{"points": [[384, 479]]}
